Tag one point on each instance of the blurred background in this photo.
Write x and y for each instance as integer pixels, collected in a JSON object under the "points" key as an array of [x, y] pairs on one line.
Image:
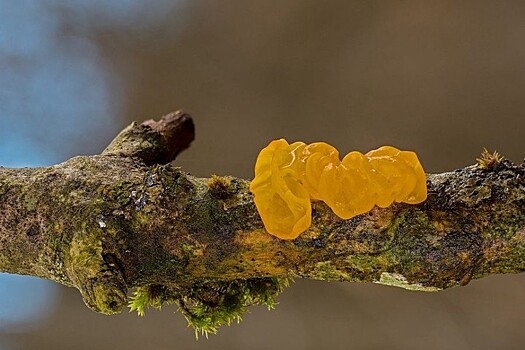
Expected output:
{"points": [[443, 78]]}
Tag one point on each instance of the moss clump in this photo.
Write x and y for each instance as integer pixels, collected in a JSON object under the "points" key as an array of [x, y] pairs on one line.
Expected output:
{"points": [[219, 186], [489, 160], [153, 295], [210, 304]]}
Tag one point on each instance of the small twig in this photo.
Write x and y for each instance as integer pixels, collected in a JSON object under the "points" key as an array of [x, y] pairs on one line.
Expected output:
{"points": [[155, 142]]}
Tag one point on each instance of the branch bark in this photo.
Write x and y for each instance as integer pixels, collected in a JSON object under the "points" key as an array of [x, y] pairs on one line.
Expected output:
{"points": [[130, 218]]}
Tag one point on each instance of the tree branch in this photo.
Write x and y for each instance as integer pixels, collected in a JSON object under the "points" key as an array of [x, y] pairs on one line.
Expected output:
{"points": [[130, 218], [154, 142]]}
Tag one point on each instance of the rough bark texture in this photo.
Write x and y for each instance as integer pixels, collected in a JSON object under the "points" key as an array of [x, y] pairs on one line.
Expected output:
{"points": [[129, 218]]}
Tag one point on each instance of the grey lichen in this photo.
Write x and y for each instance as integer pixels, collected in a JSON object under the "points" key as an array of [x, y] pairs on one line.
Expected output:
{"points": [[398, 280]]}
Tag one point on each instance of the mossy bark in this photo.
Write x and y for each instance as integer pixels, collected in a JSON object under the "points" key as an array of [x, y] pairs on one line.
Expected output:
{"points": [[129, 218]]}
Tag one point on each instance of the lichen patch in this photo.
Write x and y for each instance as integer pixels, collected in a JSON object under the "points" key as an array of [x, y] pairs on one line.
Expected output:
{"points": [[398, 280]]}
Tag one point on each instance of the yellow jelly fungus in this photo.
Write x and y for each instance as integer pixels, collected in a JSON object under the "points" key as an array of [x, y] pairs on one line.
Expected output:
{"points": [[289, 176]]}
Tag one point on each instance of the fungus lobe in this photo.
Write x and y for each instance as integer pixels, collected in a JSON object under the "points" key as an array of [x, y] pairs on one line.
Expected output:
{"points": [[289, 176]]}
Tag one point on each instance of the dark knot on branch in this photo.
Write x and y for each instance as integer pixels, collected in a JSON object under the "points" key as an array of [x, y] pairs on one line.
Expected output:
{"points": [[155, 142]]}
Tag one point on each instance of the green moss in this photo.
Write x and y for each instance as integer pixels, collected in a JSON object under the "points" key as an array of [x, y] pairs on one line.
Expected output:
{"points": [[189, 251], [219, 186], [505, 223], [420, 218], [30, 202], [489, 160], [365, 263], [326, 271], [3, 188], [210, 304], [4, 262], [108, 299], [150, 296], [508, 233], [102, 286], [86, 253]]}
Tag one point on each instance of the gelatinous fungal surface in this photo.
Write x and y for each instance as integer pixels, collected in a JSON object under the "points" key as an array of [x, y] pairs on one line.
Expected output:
{"points": [[289, 176]]}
